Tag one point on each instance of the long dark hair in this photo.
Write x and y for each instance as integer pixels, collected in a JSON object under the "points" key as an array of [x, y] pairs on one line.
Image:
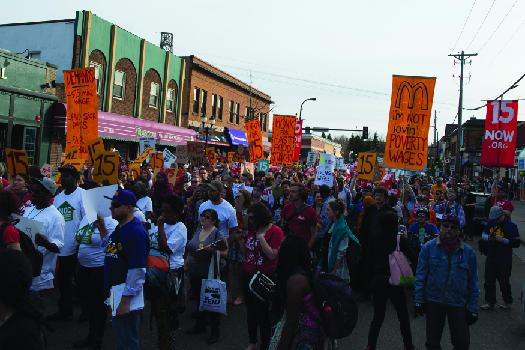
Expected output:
{"points": [[261, 215], [293, 253]]}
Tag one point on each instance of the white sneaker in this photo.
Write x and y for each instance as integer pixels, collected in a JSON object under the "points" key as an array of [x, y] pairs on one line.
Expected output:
{"points": [[505, 306], [487, 306]]}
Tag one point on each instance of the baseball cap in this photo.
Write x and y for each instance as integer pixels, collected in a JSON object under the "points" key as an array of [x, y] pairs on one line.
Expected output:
{"points": [[495, 213], [260, 185], [216, 185], [453, 219], [49, 184], [124, 196], [70, 169]]}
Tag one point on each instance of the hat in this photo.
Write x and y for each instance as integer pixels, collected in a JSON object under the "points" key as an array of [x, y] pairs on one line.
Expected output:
{"points": [[368, 189], [216, 185], [259, 184], [49, 184], [70, 169], [453, 219], [124, 196], [495, 213], [423, 211]]}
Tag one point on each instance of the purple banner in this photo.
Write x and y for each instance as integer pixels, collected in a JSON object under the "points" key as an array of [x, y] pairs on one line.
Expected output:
{"points": [[117, 126]]}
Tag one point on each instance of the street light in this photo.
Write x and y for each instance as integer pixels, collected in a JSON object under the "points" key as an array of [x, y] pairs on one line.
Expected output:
{"points": [[207, 128], [308, 99]]}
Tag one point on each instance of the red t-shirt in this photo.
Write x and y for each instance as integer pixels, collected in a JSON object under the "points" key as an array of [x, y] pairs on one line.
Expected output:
{"points": [[5, 183], [11, 235], [506, 205], [301, 223], [255, 255]]}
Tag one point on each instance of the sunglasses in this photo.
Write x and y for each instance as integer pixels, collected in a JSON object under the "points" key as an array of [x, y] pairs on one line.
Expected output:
{"points": [[450, 225], [116, 205], [194, 182], [122, 175], [421, 216]]}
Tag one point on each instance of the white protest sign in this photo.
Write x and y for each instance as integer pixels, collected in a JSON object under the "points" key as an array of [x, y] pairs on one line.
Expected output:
{"points": [[95, 203], [29, 227], [312, 157], [340, 163], [146, 142], [169, 158], [46, 170], [325, 170]]}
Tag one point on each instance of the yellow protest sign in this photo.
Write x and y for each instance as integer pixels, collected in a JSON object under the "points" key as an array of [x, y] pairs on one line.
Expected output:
{"points": [[76, 163], [17, 162], [157, 160], [210, 153], [253, 133], [106, 167], [72, 153], [408, 122], [93, 146], [142, 157], [365, 165]]}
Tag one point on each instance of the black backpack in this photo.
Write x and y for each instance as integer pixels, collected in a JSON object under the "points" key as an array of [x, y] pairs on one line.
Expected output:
{"points": [[26, 245]]}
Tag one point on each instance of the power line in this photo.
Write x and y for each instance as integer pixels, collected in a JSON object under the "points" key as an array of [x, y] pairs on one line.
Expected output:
{"points": [[481, 24], [498, 25], [464, 26], [501, 95]]}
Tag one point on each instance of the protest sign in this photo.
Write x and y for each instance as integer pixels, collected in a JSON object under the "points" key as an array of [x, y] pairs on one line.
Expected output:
{"points": [[361, 183], [106, 167], [169, 158], [409, 121], [365, 165], [312, 157], [195, 149], [340, 163], [142, 157], [249, 168], [210, 153], [310, 171], [156, 160], [29, 226], [182, 154], [179, 181], [82, 110], [122, 167], [146, 142], [298, 133], [236, 169], [230, 158], [92, 147], [264, 165], [253, 134], [17, 162], [325, 170], [46, 170], [499, 142], [95, 203], [72, 153], [134, 170], [283, 139], [377, 173]]}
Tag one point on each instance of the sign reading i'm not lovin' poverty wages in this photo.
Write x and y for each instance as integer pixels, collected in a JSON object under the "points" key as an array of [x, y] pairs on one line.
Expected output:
{"points": [[408, 122], [499, 142]]}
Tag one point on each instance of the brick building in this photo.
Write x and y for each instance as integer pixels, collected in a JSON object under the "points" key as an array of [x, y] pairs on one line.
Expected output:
{"points": [[138, 83], [213, 93]]}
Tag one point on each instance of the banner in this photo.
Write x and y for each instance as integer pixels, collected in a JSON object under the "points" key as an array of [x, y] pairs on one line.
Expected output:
{"points": [[325, 170], [408, 122], [365, 165], [499, 141], [283, 140], [82, 110], [298, 139], [253, 133], [236, 169]]}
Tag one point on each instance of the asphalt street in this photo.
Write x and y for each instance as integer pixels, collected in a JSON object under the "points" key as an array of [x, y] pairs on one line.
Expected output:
{"points": [[497, 329]]}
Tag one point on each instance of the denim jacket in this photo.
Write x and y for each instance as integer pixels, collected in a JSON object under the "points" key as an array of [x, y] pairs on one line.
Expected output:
{"points": [[434, 283]]}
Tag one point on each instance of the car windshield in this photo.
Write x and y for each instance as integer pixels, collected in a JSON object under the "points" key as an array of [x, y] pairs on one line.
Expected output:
{"points": [[480, 200]]}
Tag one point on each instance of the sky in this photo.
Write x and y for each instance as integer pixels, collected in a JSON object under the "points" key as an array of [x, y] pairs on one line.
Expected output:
{"points": [[343, 53]]}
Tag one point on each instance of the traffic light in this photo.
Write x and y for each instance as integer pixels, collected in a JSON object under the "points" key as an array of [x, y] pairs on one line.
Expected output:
{"points": [[365, 132]]}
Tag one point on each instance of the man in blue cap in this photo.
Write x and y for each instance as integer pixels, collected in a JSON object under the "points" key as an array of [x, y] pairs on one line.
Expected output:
{"points": [[127, 250]]}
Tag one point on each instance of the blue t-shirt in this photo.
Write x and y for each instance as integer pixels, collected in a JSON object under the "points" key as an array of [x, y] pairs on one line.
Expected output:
{"points": [[133, 251], [501, 251], [431, 232]]}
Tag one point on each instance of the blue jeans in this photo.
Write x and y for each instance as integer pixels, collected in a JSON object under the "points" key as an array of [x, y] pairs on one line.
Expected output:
{"points": [[126, 330]]}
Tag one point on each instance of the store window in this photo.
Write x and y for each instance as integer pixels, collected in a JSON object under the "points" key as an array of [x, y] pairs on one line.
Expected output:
{"points": [[170, 98], [119, 85], [154, 95], [99, 75]]}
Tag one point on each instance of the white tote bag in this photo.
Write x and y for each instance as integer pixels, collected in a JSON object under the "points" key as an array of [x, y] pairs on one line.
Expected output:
{"points": [[213, 290]]}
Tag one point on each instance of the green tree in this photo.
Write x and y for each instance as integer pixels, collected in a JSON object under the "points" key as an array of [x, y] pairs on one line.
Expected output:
{"points": [[323, 135], [356, 145], [329, 137]]}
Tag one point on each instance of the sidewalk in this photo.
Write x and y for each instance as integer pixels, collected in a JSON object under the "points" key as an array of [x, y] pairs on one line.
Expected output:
{"points": [[518, 217]]}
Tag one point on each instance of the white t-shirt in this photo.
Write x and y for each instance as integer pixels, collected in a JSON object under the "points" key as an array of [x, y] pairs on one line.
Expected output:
{"points": [[145, 204], [90, 254], [139, 215], [225, 212], [177, 237], [53, 230], [72, 209]]}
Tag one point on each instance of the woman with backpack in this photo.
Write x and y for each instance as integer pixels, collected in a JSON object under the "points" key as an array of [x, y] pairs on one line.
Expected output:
{"points": [[382, 243], [293, 302], [260, 251], [198, 270], [335, 241]]}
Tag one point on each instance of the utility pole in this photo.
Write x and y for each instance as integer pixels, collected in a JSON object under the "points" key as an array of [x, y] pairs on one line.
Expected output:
{"points": [[461, 58]]}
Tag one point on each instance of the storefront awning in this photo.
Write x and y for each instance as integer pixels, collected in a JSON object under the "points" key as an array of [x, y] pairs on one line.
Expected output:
{"points": [[236, 137], [120, 127]]}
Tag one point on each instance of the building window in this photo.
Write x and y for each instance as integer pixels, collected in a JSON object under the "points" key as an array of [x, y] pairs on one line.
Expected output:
{"points": [[263, 122], [214, 106], [119, 85], [219, 109], [246, 116], [230, 112], [196, 95], [30, 144], [154, 95], [170, 100], [203, 102], [34, 54], [99, 75], [237, 107]]}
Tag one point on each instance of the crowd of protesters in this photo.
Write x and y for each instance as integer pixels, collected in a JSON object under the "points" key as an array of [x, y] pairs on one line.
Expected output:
{"points": [[281, 224]]}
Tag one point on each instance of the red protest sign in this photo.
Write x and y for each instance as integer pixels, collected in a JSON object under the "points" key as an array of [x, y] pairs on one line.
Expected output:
{"points": [[236, 169], [499, 142], [298, 139]]}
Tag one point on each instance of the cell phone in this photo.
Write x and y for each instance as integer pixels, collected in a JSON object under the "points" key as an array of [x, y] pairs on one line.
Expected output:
{"points": [[401, 230]]}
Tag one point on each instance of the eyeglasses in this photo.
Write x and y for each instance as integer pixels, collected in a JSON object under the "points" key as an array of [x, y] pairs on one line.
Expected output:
{"points": [[449, 225], [122, 175], [207, 217], [116, 205], [421, 216]]}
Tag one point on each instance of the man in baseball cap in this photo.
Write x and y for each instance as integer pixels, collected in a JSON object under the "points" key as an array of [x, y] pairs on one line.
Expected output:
{"points": [[48, 184], [125, 197], [257, 192], [71, 170]]}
